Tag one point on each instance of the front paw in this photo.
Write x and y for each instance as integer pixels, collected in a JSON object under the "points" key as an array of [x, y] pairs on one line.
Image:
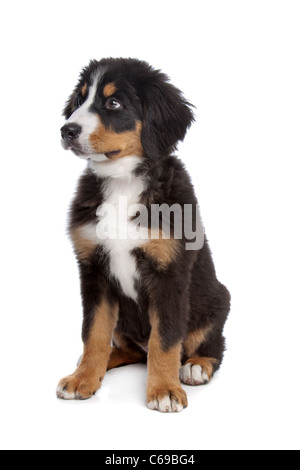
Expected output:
{"points": [[167, 398], [78, 387]]}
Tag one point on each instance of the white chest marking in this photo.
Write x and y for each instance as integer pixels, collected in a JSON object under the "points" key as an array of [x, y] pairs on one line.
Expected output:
{"points": [[121, 194], [115, 231]]}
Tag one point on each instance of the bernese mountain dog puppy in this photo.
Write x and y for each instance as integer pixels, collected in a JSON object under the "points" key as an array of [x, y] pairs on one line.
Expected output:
{"points": [[148, 283]]}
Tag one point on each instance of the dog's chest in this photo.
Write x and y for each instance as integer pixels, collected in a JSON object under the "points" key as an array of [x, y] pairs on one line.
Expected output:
{"points": [[115, 229]]}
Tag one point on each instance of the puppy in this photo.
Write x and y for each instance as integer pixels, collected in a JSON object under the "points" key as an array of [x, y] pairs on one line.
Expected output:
{"points": [[148, 283]]}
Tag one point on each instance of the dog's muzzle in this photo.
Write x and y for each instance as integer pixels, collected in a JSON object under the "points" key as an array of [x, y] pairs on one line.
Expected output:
{"points": [[70, 132]]}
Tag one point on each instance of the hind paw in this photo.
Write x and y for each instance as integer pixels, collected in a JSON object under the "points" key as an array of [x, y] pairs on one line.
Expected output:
{"points": [[197, 371]]}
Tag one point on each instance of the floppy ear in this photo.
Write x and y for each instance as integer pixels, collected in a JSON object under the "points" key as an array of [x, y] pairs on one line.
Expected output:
{"points": [[166, 116]]}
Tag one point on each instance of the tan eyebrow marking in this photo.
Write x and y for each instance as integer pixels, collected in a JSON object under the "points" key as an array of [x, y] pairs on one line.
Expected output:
{"points": [[84, 89], [109, 89]]}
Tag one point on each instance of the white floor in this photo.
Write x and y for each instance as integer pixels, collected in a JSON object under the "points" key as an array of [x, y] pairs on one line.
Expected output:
{"points": [[249, 405]]}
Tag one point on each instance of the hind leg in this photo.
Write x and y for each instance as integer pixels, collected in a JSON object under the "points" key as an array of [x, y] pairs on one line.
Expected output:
{"points": [[125, 352], [204, 346], [203, 354]]}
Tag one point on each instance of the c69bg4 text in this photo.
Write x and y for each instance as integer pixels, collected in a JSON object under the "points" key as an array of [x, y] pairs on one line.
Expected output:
{"points": [[143, 458], [170, 459]]}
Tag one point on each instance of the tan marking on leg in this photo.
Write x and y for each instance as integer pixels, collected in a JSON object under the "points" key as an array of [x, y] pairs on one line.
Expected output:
{"points": [[87, 379], [128, 143], [164, 391], [84, 244], [195, 339], [119, 358], [163, 251], [123, 354], [120, 341], [207, 364], [84, 89], [109, 90]]}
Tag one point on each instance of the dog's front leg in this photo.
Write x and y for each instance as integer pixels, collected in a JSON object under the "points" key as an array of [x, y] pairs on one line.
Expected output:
{"points": [[99, 324], [164, 392]]}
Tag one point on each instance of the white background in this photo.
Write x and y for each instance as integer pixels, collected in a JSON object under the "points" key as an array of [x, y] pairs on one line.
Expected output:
{"points": [[238, 62]]}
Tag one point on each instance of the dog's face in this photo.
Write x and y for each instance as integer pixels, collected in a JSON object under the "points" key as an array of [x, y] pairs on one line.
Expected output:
{"points": [[123, 107]]}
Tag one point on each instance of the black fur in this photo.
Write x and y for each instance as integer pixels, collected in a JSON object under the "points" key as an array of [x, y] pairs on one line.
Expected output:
{"points": [[186, 294]]}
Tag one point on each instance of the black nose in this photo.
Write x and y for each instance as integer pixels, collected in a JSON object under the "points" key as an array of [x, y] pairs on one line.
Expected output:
{"points": [[70, 131]]}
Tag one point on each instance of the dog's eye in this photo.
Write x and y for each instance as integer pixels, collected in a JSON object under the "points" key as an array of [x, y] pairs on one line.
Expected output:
{"points": [[113, 104], [79, 101]]}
